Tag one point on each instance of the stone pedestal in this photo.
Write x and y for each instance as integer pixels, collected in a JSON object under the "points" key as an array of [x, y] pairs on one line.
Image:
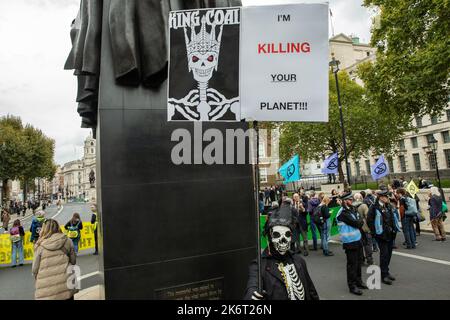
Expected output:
{"points": [[166, 231]]}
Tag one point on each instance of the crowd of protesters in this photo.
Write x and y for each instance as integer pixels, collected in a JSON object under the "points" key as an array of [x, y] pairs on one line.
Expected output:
{"points": [[368, 221]]}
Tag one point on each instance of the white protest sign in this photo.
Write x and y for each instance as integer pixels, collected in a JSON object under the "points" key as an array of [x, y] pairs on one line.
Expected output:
{"points": [[284, 63]]}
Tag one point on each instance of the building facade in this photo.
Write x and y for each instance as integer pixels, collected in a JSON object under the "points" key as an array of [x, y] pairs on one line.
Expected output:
{"points": [[78, 175], [415, 158]]}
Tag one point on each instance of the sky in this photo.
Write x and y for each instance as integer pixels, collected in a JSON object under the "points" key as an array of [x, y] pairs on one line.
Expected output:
{"points": [[34, 45]]}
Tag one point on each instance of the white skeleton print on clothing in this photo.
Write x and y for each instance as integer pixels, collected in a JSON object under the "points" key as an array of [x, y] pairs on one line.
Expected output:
{"points": [[294, 286], [203, 103]]}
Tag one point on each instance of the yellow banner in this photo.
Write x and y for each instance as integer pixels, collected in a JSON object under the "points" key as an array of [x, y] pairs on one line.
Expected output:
{"points": [[87, 241], [412, 189]]}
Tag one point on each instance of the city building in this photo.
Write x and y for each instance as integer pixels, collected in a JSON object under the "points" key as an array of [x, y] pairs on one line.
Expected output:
{"points": [[415, 157], [77, 175], [269, 159]]}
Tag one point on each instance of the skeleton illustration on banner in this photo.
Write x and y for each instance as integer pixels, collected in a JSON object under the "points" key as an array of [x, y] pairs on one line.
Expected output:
{"points": [[212, 89]]}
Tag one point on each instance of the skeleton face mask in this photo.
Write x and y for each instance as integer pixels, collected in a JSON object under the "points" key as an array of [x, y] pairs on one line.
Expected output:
{"points": [[203, 65], [281, 238]]}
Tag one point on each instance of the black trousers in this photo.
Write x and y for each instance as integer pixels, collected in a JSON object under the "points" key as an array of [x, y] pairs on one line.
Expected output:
{"points": [[354, 258], [385, 255], [96, 240]]}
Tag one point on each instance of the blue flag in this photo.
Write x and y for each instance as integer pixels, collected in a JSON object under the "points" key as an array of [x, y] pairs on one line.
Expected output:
{"points": [[380, 169], [290, 171], [330, 165]]}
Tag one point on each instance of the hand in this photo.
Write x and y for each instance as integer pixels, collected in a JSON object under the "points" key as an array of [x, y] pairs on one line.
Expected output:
{"points": [[259, 296]]}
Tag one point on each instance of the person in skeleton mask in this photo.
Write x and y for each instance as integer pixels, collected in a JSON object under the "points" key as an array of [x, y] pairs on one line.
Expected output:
{"points": [[284, 273]]}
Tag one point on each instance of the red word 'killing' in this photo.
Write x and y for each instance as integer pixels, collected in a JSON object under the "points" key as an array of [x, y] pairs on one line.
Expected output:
{"points": [[290, 47]]}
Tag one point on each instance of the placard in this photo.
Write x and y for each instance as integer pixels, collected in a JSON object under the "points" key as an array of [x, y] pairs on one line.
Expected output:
{"points": [[284, 63], [204, 65]]}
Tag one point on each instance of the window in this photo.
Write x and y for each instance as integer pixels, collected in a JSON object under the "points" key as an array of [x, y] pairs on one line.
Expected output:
{"points": [[448, 114], [432, 161], [262, 149], [416, 158], [391, 165], [434, 120], [92, 150], [367, 167], [263, 175], [446, 136], [401, 144], [368, 53], [419, 122], [414, 142], [429, 138], [402, 163], [318, 166], [447, 157], [358, 169]]}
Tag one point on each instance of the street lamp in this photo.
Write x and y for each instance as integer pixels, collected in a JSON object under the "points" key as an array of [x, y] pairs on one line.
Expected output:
{"points": [[334, 64], [433, 144]]}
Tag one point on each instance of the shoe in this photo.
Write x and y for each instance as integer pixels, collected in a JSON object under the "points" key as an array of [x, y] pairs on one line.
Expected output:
{"points": [[437, 239], [305, 254], [390, 277], [356, 291], [21, 265], [14, 266], [386, 280], [443, 239], [362, 286], [328, 254], [404, 243]]}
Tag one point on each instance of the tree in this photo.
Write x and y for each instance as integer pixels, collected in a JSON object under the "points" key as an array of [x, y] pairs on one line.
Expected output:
{"points": [[411, 72], [365, 129], [25, 152]]}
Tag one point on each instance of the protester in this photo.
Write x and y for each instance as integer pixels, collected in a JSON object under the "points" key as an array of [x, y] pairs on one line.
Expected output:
{"points": [[278, 262], [94, 222], [36, 225], [74, 227], [349, 224], [394, 204], [5, 219], [302, 222], [325, 228], [383, 223], [436, 214], [312, 204], [16, 235], [334, 199], [53, 255], [408, 212], [366, 236]]}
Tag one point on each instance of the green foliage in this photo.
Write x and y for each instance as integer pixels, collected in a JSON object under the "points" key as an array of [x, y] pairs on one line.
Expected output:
{"points": [[365, 128], [25, 152], [411, 72]]}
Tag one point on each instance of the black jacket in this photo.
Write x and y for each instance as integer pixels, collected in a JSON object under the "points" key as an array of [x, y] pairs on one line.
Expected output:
{"points": [[272, 281], [346, 217], [388, 221]]}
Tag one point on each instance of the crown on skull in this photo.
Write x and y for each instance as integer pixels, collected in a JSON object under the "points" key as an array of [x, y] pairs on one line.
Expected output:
{"points": [[203, 42]]}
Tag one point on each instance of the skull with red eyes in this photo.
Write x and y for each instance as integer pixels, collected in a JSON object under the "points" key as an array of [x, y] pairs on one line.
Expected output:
{"points": [[203, 65]]}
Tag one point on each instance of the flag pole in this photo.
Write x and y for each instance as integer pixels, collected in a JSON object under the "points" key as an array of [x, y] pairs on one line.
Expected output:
{"points": [[257, 214]]}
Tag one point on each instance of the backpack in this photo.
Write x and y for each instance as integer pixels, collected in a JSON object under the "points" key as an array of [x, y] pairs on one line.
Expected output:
{"points": [[411, 209], [38, 228], [73, 231], [317, 216], [15, 234]]}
